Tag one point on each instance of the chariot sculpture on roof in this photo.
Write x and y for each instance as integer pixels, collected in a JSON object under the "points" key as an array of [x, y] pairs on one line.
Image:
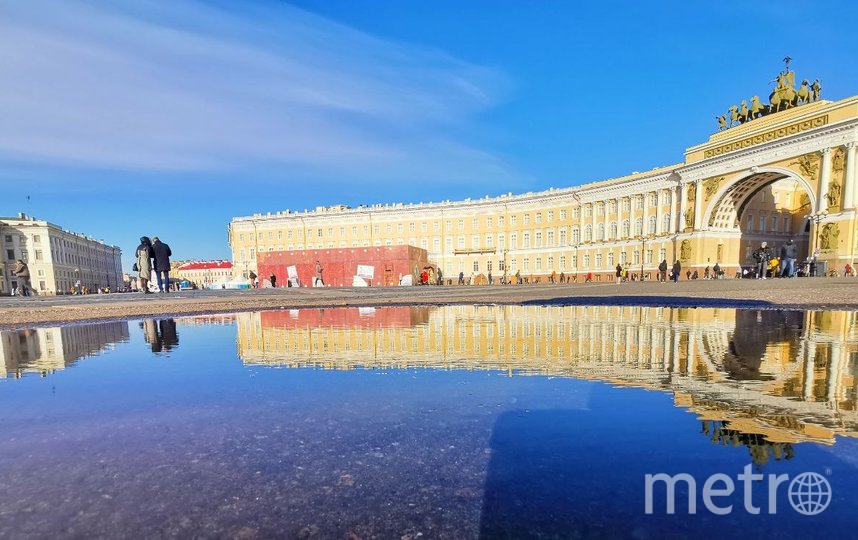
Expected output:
{"points": [[784, 96]]}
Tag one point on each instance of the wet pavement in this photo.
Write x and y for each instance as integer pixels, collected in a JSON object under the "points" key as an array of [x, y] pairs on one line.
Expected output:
{"points": [[803, 293], [425, 422]]}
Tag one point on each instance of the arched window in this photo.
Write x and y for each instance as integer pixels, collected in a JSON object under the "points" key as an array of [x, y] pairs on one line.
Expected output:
{"points": [[600, 231], [665, 223], [625, 228], [588, 233], [651, 225], [639, 226], [613, 230]]}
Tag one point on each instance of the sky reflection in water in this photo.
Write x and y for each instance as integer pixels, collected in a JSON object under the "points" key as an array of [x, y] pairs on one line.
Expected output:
{"points": [[447, 422]]}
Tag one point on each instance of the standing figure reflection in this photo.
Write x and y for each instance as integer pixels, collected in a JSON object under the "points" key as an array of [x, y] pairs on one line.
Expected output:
{"points": [[161, 335]]}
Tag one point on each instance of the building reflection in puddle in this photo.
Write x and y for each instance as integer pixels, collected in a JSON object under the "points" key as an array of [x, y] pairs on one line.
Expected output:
{"points": [[782, 377], [45, 350]]}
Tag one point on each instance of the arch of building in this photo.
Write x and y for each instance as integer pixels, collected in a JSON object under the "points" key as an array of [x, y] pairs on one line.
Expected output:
{"points": [[726, 209]]}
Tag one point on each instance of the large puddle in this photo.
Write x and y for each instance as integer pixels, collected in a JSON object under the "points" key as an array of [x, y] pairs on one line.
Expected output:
{"points": [[451, 422]]}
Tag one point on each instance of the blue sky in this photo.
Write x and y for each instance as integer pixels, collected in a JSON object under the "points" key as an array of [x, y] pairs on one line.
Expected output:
{"points": [[122, 118]]}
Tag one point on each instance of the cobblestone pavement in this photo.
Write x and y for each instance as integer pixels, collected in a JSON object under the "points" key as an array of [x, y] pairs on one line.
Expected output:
{"points": [[800, 293]]}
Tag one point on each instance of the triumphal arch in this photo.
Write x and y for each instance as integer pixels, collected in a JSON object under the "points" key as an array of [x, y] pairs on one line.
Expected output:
{"points": [[800, 148]]}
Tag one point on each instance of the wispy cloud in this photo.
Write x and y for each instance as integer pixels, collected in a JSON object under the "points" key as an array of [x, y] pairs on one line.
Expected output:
{"points": [[182, 85]]}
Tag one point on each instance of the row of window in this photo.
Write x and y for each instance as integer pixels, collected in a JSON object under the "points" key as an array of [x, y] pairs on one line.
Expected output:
{"points": [[598, 262], [600, 207], [769, 224]]}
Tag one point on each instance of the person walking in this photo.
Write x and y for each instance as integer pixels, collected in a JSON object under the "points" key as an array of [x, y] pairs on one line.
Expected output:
{"points": [[789, 251], [677, 268], [762, 255], [22, 272], [662, 270], [162, 263], [490, 277], [619, 273], [273, 280], [461, 278], [518, 277], [143, 266], [318, 281], [252, 277], [716, 271]]}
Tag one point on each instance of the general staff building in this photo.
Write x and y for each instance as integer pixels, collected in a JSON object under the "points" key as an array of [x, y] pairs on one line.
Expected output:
{"points": [[786, 174]]}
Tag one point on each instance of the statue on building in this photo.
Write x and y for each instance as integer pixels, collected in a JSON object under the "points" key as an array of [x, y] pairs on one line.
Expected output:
{"points": [[833, 195], [757, 108], [816, 90], [685, 250], [804, 93], [689, 218], [710, 186], [828, 236], [733, 111], [784, 96], [808, 164], [744, 112], [837, 161]]}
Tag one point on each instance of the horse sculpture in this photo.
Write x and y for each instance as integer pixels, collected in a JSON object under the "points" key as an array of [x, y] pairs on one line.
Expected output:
{"points": [[782, 98], [757, 108], [804, 94]]}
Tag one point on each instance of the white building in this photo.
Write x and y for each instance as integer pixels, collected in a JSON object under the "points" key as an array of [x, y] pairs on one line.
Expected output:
{"points": [[58, 259]]}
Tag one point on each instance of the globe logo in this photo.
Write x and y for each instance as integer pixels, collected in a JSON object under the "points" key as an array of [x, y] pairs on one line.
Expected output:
{"points": [[809, 493]]}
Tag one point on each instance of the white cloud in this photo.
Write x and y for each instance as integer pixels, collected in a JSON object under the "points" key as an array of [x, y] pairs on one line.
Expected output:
{"points": [[180, 85]]}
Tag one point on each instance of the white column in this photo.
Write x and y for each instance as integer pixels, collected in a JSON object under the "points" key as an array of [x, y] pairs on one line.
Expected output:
{"points": [[657, 215], [674, 193], [698, 205], [593, 215], [632, 202], [835, 368], [644, 229], [849, 178], [824, 176], [809, 369], [683, 206]]}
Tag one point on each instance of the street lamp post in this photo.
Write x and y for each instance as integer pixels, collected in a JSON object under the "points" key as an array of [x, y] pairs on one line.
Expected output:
{"points": [[816, 218], [643, 239], [77, 280]]}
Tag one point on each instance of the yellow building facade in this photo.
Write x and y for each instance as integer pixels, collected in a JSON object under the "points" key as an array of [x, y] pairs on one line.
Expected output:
{"points": [[710, 208]]}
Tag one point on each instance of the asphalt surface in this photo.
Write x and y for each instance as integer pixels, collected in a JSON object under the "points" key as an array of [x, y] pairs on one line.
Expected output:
{"points": [[798, 293]]}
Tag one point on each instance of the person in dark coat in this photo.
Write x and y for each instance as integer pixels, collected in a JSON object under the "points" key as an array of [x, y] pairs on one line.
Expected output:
{"points": [[162, 263], [762, 256], [677, 268], [662, 271], [273, 280], [789, 252], [619, 273]]}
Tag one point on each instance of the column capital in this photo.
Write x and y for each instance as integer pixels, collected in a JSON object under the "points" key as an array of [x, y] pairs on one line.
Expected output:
{"points": [[826, 151], [850, 145]]}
